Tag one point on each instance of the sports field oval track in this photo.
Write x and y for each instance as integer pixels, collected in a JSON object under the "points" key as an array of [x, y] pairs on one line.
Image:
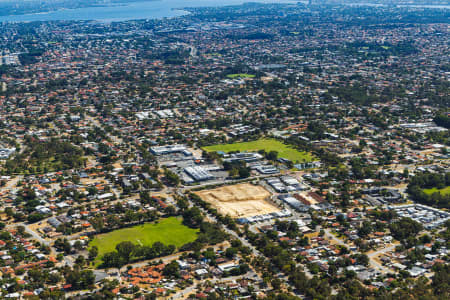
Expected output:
{"points": [[169, 231], [443, 191], [284, 151]]}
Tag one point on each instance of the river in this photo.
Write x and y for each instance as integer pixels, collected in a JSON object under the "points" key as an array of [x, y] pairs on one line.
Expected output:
{"points": [[157, 9], [129, 11]]}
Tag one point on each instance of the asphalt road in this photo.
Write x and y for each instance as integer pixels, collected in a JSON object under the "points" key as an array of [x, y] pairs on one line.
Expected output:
{"points": [[377, 265], [331, 236], [371, 256], [33, 233]]}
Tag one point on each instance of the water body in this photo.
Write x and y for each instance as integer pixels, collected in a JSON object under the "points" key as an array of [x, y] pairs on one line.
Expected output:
{"points": [[129, 11], [157, 9], [425, 6], [399, 5]]}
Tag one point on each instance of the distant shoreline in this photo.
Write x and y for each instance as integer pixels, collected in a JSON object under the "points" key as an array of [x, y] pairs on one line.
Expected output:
{"points": [[36, 11], [126, 10], [11, 11]]}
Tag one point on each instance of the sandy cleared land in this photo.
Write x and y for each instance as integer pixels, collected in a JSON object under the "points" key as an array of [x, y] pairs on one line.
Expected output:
{"points": [[93, 180], [240, 200]]}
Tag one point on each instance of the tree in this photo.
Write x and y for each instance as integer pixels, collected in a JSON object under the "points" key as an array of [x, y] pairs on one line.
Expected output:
{"points": [[172, 269], [192, 217], [55, 294], [170, 210], [182, 204], [405, 173], [20, 230], [124, 249], [93, 252], [36, 275], [78, 245], [233, 173], [424, 239], [272, 155], [231, 252], [276, 284], [365, 229], [405, 228], [98, 223], [87, 278], [80, 280], [442, 120], [244, 172], [35, 217], [441, 279], [80, 260], [112, 259], [63, 245], [313, 268], [172, 178], [362, 144], [362, 259], [9, 212]]}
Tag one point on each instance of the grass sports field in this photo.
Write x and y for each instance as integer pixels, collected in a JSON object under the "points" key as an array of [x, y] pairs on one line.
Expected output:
{"points": [[242, 75], [444, 191], [268, 145], [168, 231]]}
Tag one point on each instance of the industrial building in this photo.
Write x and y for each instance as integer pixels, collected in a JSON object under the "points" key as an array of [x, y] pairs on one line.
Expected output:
{"points": [[5, 153], [276, 184], [267, 169], [429, 217], [245, 156], [161, 150], [285, 184], [198, 173], [261, 218], [294, 203]]}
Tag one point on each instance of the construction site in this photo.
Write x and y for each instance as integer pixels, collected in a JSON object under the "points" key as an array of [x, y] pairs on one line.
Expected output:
{"points": [[240, 200]]}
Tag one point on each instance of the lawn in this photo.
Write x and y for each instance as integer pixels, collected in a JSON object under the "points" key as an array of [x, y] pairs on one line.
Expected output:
{"points": [[284, 151], [168, 231], [444, 191], [242, 75]]}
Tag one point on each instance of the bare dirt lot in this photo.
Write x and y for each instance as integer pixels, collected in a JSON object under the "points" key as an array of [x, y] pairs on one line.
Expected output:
{"points": [[240, 200]]}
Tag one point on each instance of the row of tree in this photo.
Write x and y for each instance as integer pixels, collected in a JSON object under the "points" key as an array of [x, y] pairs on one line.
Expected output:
{"points": [[127, 251]]}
